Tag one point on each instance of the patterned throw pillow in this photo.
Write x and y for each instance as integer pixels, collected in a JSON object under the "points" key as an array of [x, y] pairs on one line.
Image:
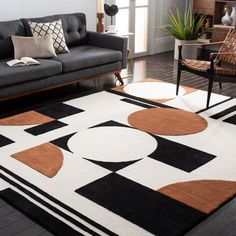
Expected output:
{"points": [[54, 28]]}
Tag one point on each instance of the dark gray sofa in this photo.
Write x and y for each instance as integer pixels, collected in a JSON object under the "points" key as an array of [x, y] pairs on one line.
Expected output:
{"points": [[91, 55]]}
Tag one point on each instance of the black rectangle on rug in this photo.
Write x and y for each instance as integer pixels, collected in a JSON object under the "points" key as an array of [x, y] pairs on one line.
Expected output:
{"points": [[44, 128], [142, 206], [140, 104], [59, 110], [224, 113], [157, 104], [231, 120], [180, 156]]}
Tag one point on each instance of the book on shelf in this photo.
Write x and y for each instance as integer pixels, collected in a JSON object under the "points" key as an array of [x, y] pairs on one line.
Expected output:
{"points": [[23, 61]]}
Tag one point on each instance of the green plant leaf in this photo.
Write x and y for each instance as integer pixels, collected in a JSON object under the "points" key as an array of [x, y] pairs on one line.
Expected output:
{"points": [[184, 25]]}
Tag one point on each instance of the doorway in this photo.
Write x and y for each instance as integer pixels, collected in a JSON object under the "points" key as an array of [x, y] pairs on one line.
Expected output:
{"points": [[133, 18]]}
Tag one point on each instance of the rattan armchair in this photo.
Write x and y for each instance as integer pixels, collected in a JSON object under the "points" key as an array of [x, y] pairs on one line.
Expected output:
{"points": [[220, 68]]}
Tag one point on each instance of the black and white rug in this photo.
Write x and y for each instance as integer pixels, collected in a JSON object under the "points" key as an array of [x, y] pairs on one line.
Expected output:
{"points": [[130, 161]]}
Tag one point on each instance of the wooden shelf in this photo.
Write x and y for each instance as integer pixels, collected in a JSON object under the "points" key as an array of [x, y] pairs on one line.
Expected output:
{"points": [[224, 26], [228, 1]]}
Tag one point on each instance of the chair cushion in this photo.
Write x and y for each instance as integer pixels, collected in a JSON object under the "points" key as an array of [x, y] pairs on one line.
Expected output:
{"points": [[7, 29], [74, 27], [86, 56], [15, 75], [204, 66], [198, 65]]}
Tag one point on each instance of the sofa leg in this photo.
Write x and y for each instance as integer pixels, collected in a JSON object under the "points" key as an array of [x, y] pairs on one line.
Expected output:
{"points": [[118, 76]]}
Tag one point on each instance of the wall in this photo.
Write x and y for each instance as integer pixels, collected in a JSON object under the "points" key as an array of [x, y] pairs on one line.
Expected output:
{"points": [[159, 40], [15, 9]]}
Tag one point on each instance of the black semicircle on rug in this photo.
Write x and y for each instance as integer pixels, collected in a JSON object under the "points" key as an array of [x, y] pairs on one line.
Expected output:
{"points": [[113, 166], [62, 142], [4, 141], [110, 123]]}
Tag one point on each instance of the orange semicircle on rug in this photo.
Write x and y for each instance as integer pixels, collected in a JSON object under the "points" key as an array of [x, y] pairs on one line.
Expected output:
{"points": [[26, 118], [203, 195], [167, 121], [46, 159]]}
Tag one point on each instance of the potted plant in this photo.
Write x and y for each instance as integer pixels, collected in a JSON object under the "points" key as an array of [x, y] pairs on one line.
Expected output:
{"points": [[186, 28]]}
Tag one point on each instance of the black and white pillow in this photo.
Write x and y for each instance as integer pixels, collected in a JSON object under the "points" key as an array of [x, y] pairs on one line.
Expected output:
{"points": [[54, 28]]}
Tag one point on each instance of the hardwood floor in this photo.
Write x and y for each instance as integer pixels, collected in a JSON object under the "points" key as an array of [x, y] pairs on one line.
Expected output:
{"points": [[160, 66], [13, 222]]}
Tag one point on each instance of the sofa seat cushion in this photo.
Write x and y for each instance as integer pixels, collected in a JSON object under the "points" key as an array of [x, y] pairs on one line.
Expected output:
{"points": [[86, 56], [15, 75]]}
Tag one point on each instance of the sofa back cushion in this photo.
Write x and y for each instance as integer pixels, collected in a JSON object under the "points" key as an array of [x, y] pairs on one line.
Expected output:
{"points": [[74, 27], [7, 29]]}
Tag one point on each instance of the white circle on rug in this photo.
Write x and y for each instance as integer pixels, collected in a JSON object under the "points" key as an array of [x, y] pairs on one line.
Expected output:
{"points": [[112, 144], [153, 90]]}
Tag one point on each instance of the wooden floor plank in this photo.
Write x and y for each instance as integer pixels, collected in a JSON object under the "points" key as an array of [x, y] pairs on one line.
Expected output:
{"points": [[2, 203], [5, 210], [35, 230]]}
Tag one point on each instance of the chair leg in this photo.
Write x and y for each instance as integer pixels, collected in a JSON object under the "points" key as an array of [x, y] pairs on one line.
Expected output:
{"points": [[209, 92], [178, 79], [220, 84], [118, 76]]}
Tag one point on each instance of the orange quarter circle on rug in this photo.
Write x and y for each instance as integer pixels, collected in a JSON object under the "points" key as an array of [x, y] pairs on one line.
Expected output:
{"points": [[46, 159], [203, 195], [167, 121], [26, 118]]}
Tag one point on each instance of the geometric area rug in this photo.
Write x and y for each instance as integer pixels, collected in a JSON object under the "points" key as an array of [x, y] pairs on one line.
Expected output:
{"points": [[134, 160]]}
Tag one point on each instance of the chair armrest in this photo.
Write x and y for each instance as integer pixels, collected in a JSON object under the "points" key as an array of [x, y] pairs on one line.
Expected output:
{"points": [[110, 41], [213, 56]]}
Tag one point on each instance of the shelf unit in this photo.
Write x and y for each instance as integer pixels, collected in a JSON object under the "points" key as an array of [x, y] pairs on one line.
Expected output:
{"points": [[215, 12]]}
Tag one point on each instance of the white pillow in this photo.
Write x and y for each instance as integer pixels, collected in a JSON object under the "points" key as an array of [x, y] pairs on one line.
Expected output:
{"points": [[55, 28], [37, 47]]}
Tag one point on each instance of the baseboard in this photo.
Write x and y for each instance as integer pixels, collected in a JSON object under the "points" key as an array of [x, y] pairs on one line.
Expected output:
{"points": [[163, 45]]}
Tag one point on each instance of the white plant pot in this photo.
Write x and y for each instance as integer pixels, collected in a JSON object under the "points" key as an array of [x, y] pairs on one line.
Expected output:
{"points": [[188, 52]]}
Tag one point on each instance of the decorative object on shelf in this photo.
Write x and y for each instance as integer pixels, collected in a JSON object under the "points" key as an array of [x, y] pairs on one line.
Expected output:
{"points": [[208, 23], [111, 11], [100, 24], [233, 16], [100, 6], [227, 19], [100, 16], [186, 28]]}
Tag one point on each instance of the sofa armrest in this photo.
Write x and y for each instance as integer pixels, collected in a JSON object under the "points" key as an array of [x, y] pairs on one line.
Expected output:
{"points": [[110, 41]]}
